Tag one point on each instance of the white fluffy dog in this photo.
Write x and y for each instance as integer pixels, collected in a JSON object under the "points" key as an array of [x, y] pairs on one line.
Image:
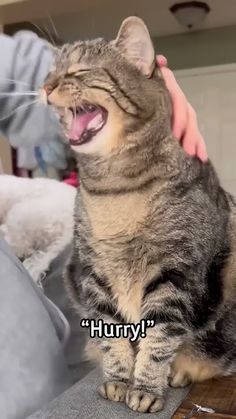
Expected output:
{"points": [[36, 219]]}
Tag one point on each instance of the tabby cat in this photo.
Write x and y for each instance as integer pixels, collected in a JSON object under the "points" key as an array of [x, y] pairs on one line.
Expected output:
{"points": [[154, 233]]}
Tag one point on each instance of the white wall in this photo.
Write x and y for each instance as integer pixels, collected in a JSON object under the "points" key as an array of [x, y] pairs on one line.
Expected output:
{"points": [[185, 50]]}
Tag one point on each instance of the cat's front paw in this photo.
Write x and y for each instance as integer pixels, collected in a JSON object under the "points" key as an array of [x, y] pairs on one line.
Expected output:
{"points": [[113, 390], [179, 379], [142, 401]]}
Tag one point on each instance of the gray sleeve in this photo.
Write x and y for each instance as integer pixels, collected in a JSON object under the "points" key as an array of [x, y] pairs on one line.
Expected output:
{"points": [[26, 59]]}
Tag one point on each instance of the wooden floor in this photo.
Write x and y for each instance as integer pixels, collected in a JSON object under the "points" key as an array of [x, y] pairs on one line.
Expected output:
{"points": [[219, 395]]}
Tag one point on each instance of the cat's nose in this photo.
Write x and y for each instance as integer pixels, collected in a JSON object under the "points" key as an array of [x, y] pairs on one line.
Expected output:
{"points": [[44, 94], [50, 83], [48, 88]]}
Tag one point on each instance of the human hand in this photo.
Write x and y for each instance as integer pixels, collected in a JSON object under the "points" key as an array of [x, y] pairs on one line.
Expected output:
{"points": [[184, 125]]}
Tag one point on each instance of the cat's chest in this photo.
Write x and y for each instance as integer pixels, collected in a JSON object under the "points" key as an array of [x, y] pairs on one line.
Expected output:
{"points": [[117, 233], [128, 299], [116, 216]]}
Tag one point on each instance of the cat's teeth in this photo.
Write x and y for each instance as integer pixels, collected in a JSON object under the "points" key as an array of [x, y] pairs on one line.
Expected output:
{"points": [[68, 114], [91, 108], [96, 122]]}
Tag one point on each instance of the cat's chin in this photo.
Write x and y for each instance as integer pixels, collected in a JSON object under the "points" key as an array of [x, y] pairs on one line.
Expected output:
{"points": [[95, 145], [85, 123]]}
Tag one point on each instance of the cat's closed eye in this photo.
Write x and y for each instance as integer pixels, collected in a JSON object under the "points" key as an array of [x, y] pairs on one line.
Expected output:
{"points": [[77, 73], [76, 70]]}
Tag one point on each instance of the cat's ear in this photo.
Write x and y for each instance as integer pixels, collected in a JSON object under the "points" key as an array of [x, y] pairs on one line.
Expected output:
{"points": [[135, 43]]}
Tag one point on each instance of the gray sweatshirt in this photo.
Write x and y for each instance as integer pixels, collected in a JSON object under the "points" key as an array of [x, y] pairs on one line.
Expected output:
{"points": [[27, 59]]}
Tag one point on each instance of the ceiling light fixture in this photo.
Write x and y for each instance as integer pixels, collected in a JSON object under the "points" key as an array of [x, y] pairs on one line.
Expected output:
{"points": [[190, 13]]}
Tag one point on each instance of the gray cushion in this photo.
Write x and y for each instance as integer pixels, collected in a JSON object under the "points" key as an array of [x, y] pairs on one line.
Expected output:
{"points": [[83, 402]]}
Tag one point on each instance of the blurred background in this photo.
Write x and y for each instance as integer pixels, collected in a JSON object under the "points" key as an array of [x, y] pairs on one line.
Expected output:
{"points": [[198, 38]]}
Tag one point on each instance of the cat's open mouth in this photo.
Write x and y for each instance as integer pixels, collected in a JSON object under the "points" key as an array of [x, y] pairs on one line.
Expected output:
{"points": [[86, 122]]}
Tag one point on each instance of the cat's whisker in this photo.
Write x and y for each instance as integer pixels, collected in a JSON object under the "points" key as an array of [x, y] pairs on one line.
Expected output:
{"points": [[45, 35], [34, 102], [50, 37], [53, 25], [12, 94], [13, 81]]}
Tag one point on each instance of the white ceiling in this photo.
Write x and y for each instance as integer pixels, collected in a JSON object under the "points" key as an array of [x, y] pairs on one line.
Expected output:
{"points": [[105, 18], [92, 18]]}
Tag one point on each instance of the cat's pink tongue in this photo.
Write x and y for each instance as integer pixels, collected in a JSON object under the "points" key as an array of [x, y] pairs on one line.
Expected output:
{"points": [[80, 123]]}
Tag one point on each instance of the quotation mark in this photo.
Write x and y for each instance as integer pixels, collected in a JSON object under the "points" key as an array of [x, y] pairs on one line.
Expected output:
{"points": [[150, 323], [85, 323]]}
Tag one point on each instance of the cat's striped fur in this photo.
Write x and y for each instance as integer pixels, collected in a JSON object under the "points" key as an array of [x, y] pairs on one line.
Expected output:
{"points": [[154, 231]]}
